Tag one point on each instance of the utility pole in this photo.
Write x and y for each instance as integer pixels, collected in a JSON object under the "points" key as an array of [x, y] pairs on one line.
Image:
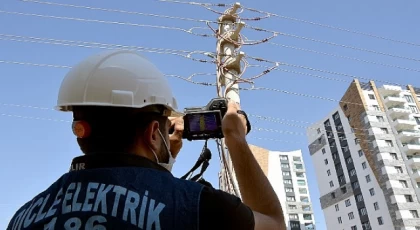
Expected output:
{"points": [[228, 71]]}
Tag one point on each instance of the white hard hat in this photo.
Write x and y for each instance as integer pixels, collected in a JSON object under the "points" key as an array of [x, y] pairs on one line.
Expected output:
{"points": [[117, 79]]}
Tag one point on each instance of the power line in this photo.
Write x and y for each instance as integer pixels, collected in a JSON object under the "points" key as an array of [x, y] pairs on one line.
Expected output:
{"points": [[185, 54], [182, 53], [189, 31], [344, 57], [268, 14], [69, 121], [84, 44], [270, 119], [275, 33], [208, 84], [116, 11]]}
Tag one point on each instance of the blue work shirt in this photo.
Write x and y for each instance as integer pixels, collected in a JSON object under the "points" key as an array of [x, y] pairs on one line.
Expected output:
{"points": [[125, 191]]}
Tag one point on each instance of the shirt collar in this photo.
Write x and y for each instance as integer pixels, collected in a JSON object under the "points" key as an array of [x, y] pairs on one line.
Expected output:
{"points": [[113, 160]]}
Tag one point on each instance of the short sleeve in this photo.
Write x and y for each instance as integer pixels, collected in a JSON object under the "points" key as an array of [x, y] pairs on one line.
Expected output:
{"points": [[221, 210]]}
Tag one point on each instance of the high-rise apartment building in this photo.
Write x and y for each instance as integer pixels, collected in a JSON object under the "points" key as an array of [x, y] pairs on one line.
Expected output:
{"points": [[286, 173], [366, 158]]}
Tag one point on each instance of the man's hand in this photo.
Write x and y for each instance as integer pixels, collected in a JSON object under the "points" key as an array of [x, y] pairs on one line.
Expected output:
{"points": [[175, 138], [234, 124]]}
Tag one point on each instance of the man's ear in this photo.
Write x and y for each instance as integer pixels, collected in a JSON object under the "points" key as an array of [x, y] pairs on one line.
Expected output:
{"points": [[151, 135]]}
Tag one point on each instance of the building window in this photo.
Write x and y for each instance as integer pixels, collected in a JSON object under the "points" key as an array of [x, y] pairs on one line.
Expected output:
{"points": [[360, 153], [288, 181], [318, 130], [417, 120], [389, 143], [371, 96], [353, 227], [297, 159], [337, 208], [307, 216], [364, 165], [352, 172], [355, 185], [367, 178], [299, 166], [292, 206], [304, 199], [290, 198], [345, 107], [409, 98], [294, 216], [356, 141], [408, 198], [366, 225], [301, 182], [331, 184], [300, 174], [328, 172], [347, 202], [294, 224], [285, 165], [286, 173], [403, 184], [284, 158], [326, 161], [359, 198], [327, 123], [336, 116], [343, 190], [323, 151], [303, 191], [376, 206], [384, 130], [349, 160], [376, 107], [363, 211], [394, 156], [372, 192], [398, 169], [414, 213], [339, 220], [333, 195], [334, 156], [413, 109], [380, 118], [288, 189], [380, 221], [351, 216], [341, 179]]}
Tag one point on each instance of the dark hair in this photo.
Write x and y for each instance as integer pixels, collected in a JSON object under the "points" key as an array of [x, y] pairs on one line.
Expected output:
{"points": [[114, 129]]}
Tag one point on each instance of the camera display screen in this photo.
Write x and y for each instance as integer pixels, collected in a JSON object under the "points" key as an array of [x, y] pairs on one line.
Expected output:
{"points": [[203, 122]]}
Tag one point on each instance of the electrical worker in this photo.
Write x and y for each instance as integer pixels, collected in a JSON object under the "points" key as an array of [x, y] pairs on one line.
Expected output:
{"points": [[122, 108]]}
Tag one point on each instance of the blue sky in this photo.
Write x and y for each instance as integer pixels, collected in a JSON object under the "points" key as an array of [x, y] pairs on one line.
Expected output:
{"points": [[36, 152]]}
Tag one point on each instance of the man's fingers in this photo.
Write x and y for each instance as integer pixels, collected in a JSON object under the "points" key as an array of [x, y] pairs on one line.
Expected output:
{"points": [[233, 107]]}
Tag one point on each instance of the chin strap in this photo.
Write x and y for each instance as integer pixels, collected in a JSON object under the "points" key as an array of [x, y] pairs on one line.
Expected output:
{"points": [[203, 161]]}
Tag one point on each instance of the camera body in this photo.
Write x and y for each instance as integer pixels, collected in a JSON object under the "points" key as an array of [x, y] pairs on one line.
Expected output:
{"points": [[203, 123]]}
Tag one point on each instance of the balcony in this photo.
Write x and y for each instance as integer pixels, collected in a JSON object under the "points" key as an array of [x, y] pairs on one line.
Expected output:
{"points": [[403, 124], [396, 112], [416, 176], [414, 162], [391, 101], [411, 149], [406, 136], [387, 90]]}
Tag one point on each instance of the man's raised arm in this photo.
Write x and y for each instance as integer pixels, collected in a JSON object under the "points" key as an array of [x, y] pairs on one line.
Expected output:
{"points": [[256, 190]]}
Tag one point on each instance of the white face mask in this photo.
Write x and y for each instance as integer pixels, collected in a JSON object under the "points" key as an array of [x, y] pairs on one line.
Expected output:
{"points": [[171, 161]]}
